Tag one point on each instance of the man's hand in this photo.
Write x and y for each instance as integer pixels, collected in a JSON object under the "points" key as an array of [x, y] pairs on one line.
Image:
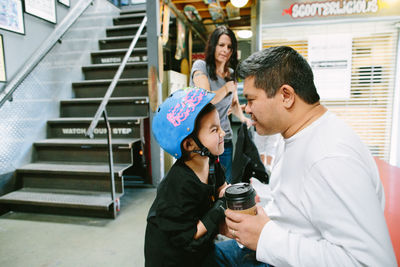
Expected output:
{"points": [[245, 228]]}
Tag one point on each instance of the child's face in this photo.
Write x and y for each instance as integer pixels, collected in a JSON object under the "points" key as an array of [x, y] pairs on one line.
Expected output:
{"points": [[211, 134]]}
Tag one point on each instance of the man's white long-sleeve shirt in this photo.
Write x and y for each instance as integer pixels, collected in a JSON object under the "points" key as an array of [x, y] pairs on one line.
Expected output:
{"points": [[327, 202]]}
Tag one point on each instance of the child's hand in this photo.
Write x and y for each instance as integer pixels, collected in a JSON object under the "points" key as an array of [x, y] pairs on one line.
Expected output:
{"points": [[224, 230], [222, 189]]}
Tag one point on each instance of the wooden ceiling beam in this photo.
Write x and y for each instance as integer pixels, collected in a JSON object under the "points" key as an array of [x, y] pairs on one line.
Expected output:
{"points": [[206, 14], [183, 18], [202, 8]]}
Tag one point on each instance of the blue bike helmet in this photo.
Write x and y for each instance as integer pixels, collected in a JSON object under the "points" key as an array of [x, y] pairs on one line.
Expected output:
{"points": [[175, 118]]}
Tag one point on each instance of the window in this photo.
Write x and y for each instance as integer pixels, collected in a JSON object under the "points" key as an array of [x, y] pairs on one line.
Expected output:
{"points": [[369, 108]]}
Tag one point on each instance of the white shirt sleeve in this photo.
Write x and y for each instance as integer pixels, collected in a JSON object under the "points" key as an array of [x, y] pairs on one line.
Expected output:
{"points": [[341, 202]]}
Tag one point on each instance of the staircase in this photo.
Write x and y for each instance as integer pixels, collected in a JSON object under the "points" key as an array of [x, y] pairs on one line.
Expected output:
{"points": [[69, 173]]}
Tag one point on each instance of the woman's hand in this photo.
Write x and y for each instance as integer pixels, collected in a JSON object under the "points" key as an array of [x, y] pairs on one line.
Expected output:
{"points": [[230, 87]]}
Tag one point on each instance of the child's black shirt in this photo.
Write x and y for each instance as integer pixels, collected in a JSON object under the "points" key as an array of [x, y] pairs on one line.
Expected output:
{"points": [[181, 201]]}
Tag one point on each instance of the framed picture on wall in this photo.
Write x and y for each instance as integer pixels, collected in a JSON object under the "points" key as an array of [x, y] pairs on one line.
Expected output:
{"points": [[3, 76], [64, 2], [12, 16], [44, 9]]}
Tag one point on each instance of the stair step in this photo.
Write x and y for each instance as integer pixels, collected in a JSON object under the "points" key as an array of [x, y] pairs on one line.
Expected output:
{"points": [[121, 127], [86, 142], [59, 198], [117, 107], [69, 173], [58, 168], [98, 88], [117, 55], [108, 71], [123, 30], [130, 18], [82, 151], [132, 11], [122, 42], [92, 177], [134, 181]]}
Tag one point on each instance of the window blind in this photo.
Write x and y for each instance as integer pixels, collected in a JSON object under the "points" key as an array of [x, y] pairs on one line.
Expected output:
{"points": [[369, 108]]}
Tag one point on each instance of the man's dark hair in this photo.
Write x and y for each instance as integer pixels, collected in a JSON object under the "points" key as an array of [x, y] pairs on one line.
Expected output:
{"points": [[207, 109], [276, 66], [212, 43]]}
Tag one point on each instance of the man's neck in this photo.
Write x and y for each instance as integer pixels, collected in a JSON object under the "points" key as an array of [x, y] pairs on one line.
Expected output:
{"points": [[304, 119]]}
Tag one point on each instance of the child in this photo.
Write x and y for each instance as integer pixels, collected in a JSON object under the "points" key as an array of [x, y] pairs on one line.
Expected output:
{"points": [[185, 216]]}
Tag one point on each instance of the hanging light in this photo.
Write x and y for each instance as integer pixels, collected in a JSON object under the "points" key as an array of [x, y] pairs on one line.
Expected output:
{"points": [[244, 34], [239, 3]]}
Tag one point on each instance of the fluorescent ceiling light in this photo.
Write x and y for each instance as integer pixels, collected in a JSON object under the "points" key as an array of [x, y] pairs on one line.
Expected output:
{"points": [[239, 3], [244, 34]]}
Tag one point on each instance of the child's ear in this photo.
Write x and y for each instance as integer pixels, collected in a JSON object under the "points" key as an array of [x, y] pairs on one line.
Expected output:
{"points": [[188, 144]]}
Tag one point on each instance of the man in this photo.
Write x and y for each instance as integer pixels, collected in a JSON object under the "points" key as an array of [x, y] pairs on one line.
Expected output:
{"points": [[327, 198]]}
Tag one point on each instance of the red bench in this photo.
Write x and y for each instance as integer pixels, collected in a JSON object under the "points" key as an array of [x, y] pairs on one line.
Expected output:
{"points": [[390, 176]]}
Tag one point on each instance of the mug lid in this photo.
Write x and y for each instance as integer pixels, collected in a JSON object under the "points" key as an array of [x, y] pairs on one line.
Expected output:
{"points": [[239, 190]]}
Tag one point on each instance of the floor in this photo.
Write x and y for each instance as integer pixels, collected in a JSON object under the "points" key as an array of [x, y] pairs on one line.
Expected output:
{"points": [[28, 239]]}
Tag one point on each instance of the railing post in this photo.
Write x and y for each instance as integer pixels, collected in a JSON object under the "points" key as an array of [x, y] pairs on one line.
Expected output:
{"points": [[110, 163], [102, 111]]}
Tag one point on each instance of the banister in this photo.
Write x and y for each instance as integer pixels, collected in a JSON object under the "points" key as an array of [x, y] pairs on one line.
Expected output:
{"points": [[102, 111], [113, 84]]}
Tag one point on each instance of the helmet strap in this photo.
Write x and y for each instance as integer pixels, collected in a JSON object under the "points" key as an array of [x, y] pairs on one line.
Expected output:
{"points": [[212, 160], [203, 150]]}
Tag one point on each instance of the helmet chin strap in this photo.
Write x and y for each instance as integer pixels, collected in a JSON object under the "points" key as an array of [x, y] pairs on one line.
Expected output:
{"points": [[212, 160], [203, 150]]}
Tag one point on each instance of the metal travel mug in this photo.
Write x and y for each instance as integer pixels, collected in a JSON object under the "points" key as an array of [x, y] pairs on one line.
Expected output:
{"points": [[240, 197]]}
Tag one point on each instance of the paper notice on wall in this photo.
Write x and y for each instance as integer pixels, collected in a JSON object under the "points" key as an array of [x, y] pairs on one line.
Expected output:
{"points": [[2, 61], [330, 60]]}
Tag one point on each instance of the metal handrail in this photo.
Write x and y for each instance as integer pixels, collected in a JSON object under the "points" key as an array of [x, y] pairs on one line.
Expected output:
{"points": [[102, 111], [111, 88], [54, 37]]}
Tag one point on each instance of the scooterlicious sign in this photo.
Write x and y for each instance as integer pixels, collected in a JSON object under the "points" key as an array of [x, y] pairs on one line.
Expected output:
{"points": [[331, 8], [282, 11]]}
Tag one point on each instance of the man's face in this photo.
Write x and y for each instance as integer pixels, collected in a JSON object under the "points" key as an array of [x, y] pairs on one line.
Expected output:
{"points": [[264, 111]]}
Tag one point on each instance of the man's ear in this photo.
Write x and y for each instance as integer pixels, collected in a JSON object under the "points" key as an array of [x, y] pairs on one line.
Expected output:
{"points": [[188, 144], [288, 95]]}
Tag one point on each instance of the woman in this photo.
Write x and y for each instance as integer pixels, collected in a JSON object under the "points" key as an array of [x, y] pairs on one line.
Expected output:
{"points": [[216, 74]]}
